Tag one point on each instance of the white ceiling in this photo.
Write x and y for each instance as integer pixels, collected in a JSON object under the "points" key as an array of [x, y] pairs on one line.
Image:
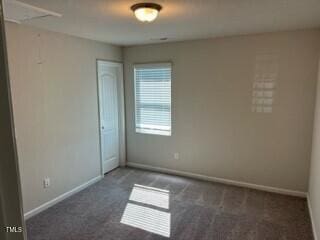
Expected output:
{"points": [[112, 21]]}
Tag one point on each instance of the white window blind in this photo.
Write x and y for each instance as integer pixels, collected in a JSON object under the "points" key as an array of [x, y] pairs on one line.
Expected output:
{"points": [[153, 98]]}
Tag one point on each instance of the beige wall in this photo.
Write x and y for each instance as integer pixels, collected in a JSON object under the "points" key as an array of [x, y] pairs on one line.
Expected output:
{"points": [[314, 184], [54, 91], [214, 130]]}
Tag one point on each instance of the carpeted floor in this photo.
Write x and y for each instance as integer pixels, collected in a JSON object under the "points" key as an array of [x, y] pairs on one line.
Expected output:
{"points": [[134, 204]]}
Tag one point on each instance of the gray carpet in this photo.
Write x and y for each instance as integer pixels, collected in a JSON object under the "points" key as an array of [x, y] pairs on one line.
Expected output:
{"points": [[182, 208]]}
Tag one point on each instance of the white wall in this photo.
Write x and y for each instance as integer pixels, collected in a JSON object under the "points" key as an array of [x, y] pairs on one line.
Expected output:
{"points": [[55, 108], [214, 130], [314, 184]]}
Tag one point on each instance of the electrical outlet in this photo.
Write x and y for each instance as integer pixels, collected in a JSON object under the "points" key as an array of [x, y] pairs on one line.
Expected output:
{"points": [[46, 182], [176, 156]]}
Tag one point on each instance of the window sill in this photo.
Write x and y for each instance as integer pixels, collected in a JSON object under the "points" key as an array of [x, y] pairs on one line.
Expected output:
{"points": [[153, 132]]}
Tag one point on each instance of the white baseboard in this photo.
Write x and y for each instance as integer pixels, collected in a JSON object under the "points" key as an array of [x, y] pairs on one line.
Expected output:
{"points": [[220, 180], [312, 218], [54, 201]]}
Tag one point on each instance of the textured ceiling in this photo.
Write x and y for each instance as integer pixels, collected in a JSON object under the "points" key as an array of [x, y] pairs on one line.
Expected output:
{"points": [[112, 21]]}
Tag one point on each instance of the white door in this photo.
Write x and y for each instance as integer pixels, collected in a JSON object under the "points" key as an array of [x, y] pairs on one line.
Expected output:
{"points": [[108, 80]]}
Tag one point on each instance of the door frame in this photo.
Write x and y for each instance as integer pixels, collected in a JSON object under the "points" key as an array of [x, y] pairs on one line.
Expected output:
{"points": [[121, 112]]}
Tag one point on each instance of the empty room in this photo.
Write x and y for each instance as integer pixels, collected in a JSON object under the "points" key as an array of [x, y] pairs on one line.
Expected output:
{"points": [[144, 120]]}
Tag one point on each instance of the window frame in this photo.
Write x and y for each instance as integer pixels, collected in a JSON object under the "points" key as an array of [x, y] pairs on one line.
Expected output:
{"points": [[156, 132]]}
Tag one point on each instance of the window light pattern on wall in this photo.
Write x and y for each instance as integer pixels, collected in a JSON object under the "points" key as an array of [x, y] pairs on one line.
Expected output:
{"points": [[153, 98], [264, 84]]}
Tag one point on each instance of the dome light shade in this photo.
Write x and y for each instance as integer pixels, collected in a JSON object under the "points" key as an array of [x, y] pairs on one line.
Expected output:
{"points": [[146, 12]]}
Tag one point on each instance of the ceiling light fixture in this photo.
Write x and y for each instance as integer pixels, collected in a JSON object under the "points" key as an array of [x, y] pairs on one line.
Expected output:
{"points": [[146, 12]]}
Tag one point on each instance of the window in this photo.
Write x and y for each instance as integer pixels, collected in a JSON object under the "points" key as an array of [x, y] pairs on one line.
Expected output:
{"points": [[153, 98]]}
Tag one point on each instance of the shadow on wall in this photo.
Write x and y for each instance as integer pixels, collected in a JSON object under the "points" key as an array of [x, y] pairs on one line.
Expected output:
{"points": [[10, 193]]}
